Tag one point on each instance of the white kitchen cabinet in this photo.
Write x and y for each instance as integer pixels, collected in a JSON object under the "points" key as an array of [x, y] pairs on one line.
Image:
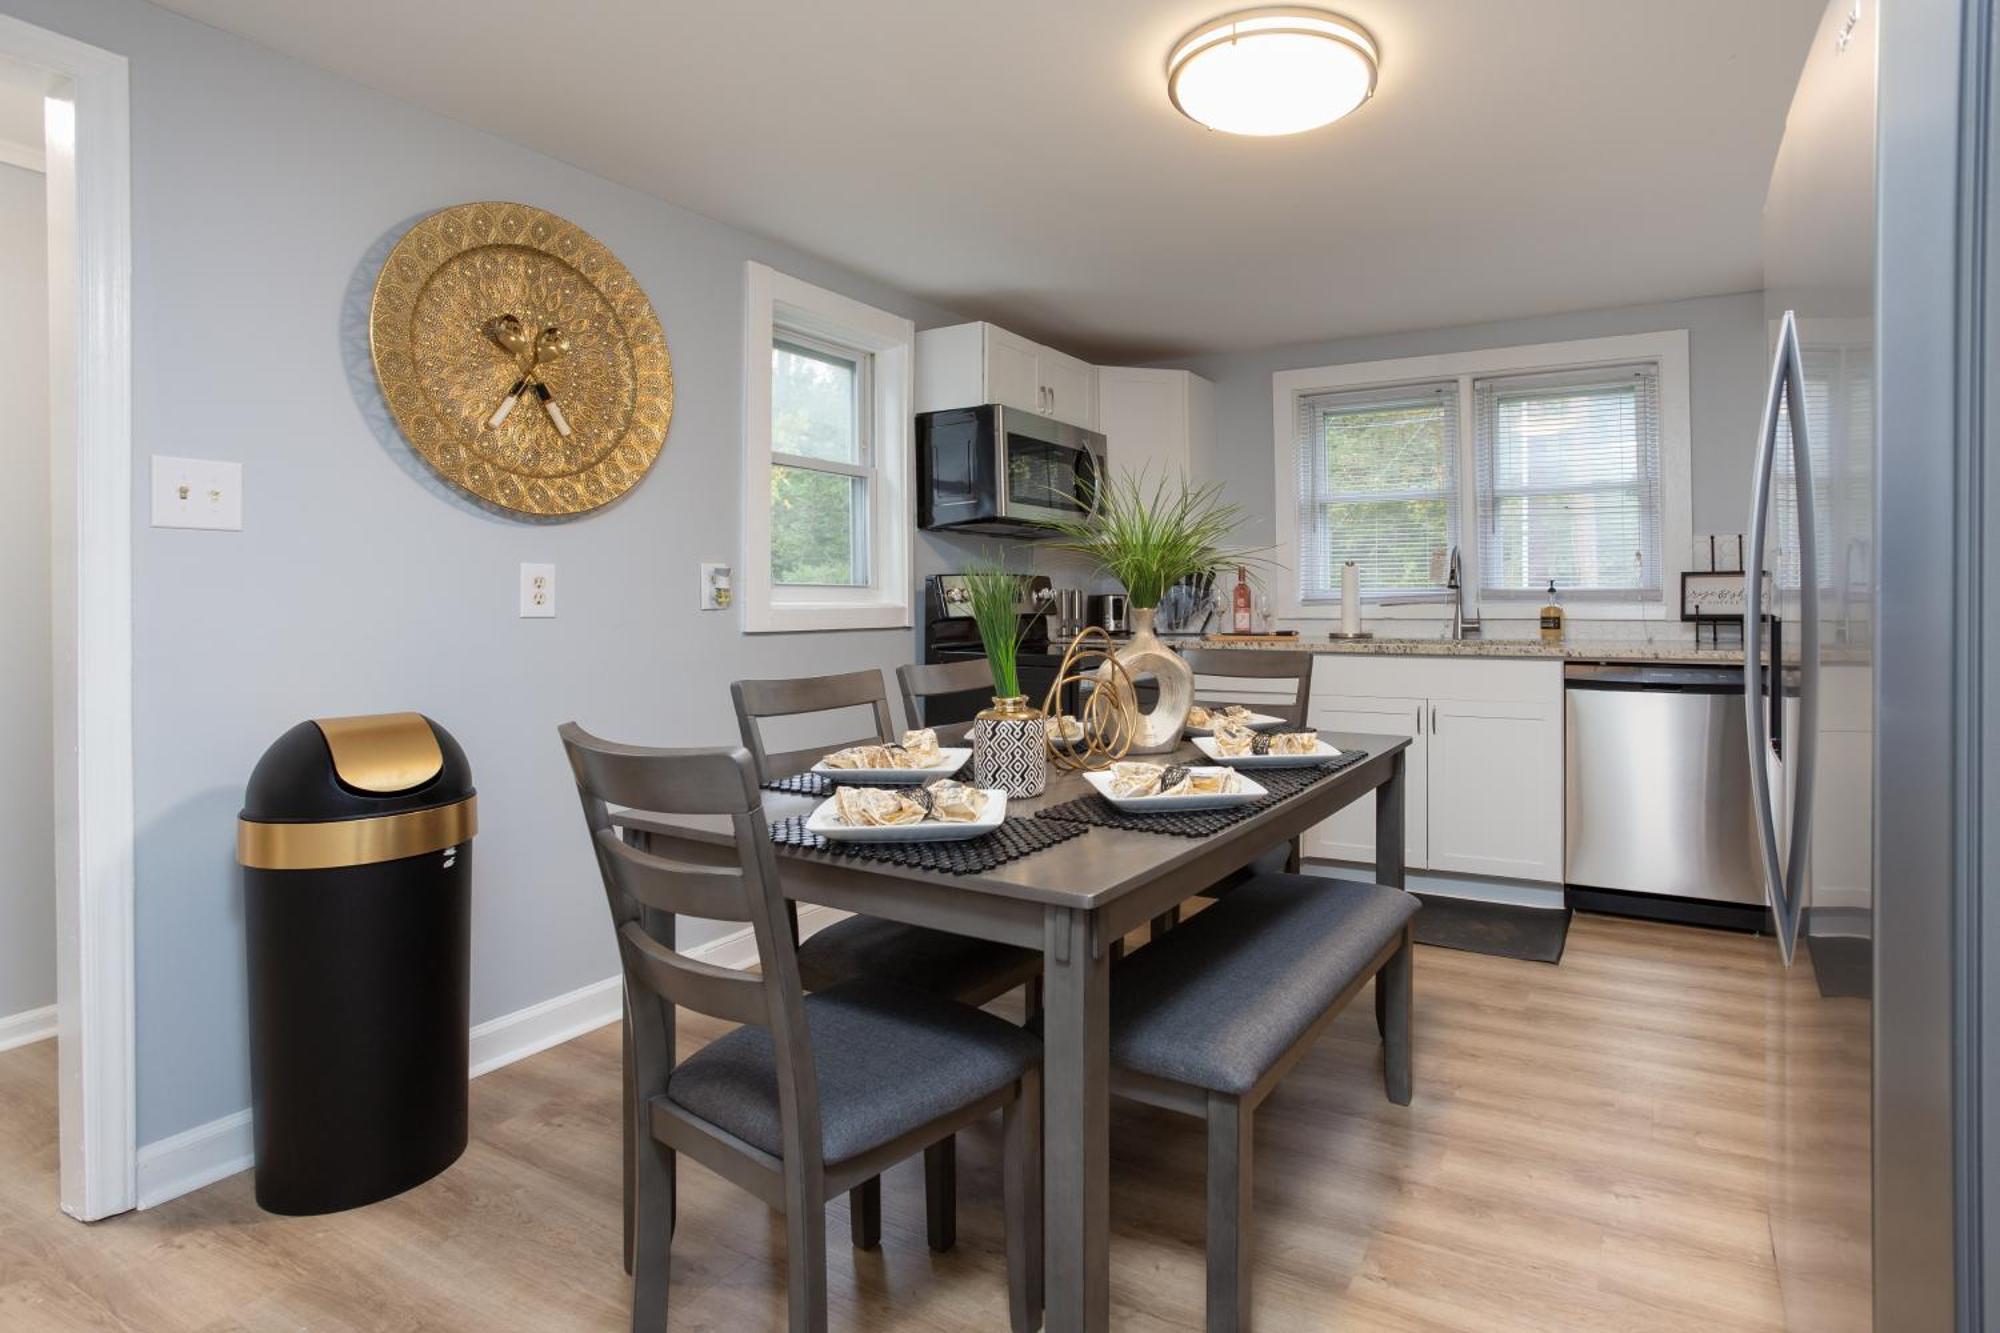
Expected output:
{"points": [[967, 365], [1495, 777], [1350, 835], [1154, 421], [1483, 777]]}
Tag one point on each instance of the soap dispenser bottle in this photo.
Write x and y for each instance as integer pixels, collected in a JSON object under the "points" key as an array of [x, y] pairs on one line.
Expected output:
{"points": [[1552, 617]]}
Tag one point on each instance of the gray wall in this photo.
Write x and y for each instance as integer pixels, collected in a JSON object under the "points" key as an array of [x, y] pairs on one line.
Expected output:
{"points": [[27, 817], [265, 195], [1726, 381]]}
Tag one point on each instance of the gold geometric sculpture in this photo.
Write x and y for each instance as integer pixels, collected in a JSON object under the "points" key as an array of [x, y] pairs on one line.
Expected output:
{"points": [[1109, 719], [520, 358]]}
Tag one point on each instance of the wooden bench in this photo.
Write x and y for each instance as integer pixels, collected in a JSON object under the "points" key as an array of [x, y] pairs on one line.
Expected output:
{"points": [[1206, 1020]]}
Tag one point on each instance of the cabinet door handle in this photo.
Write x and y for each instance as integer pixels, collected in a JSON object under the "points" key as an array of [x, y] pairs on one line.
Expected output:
{"points": [[1434, 719]]}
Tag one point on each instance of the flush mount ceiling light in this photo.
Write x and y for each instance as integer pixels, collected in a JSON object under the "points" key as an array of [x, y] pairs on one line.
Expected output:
{"points": [[1272, 71]]}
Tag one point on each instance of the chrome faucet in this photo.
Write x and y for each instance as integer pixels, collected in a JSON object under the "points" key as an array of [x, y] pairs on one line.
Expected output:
{"points": [[1462, 625]]}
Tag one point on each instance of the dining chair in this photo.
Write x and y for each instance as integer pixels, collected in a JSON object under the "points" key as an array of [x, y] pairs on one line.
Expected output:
{"points": [[811, 1095], [1261, 665], [956, 967], [920, 682]]}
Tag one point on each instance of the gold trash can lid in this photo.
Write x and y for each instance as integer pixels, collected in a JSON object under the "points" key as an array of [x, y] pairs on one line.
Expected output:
{"points": [[382, 752]]}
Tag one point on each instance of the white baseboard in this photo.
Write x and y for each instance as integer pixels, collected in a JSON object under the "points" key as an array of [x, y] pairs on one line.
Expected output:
{"points": [[171, 1167], [26, 1026]]}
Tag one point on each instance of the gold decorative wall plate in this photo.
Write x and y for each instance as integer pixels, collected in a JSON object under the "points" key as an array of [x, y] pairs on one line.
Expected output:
{"points": [[520, 358]]}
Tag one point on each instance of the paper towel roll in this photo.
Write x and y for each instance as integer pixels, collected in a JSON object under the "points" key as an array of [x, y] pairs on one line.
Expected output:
{"points": [[1350, 599]]}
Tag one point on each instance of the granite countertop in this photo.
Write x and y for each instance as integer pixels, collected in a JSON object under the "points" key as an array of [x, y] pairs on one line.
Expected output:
{"points": [[1569, 650]]}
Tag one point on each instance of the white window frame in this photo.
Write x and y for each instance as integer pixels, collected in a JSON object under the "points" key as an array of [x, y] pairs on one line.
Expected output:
{"points": [[776, 304], [1667, 348]]}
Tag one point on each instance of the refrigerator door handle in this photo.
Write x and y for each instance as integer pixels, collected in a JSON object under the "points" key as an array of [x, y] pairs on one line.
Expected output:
{"points": [[1784, 877]]}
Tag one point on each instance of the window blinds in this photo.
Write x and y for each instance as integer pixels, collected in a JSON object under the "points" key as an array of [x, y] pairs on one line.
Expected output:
{"points": [[1378, 485], [1569, 482]]}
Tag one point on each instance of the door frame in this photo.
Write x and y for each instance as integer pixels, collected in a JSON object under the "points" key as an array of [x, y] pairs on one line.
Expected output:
{"points": [[88, 176]]}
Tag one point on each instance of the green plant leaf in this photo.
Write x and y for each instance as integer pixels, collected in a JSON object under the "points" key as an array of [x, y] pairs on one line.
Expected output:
{"points": [[1150, 539]]}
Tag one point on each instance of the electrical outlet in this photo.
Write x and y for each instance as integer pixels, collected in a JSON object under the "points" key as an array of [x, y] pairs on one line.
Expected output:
{"points": [[197, 493], [716, 593], [538, 592]]}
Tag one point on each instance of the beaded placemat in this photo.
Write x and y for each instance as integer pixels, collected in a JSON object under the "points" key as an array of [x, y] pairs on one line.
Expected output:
{"points": [[1014, 839], [1278, 784], [803, 784]]}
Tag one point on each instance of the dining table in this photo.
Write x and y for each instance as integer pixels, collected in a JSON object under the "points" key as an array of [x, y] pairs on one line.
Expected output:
{"points": [[1073, 902]]}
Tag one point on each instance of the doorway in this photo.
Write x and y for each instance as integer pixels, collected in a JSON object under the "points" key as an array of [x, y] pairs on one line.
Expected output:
{"points": [[86, 181]]}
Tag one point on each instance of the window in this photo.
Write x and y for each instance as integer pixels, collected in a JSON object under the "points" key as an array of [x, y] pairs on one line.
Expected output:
{"points": [[826, 528], [1377, 485], [1564, 461], [822, 467], [1568, 484]]}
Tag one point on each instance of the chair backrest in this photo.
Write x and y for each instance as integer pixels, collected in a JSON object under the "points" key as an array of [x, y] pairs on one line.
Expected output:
{"points": [[920, 682], [1258, 664], [759, 699], [738, 884]]}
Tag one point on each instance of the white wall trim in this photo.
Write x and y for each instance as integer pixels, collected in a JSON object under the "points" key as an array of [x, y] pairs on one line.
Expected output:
{"points": [[1669, 347], [30, 1025], [501, 1041], [773, 300], [171, 1167], [25, 156], [182, 1164], [88, 132]]}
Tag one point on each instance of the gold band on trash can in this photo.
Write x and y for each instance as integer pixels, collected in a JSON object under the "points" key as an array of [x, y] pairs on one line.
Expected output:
{"points": [[355, 842]]}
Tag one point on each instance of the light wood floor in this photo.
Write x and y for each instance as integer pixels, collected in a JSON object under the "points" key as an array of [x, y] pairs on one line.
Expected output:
{"points": [[1592, 1146]]}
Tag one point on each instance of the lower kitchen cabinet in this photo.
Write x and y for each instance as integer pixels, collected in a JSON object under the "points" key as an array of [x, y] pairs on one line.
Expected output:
{"points": [[1496, 789], [1483, 775], [1350, 835]]}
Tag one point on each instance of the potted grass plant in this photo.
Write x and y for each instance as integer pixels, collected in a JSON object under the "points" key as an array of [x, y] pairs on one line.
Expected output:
{"points": [[1149, 537], [1008, 739]]}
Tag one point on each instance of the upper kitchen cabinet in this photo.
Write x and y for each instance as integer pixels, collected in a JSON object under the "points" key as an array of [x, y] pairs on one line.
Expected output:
{"points": [[1154, 421], [970, 365]]}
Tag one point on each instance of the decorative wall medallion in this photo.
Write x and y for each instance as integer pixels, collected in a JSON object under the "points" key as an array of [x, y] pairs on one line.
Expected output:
{"points": [[520, 358]]}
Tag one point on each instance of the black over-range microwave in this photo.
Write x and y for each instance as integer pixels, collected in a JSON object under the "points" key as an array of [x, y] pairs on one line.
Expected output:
{"points": [[1003, 470]]}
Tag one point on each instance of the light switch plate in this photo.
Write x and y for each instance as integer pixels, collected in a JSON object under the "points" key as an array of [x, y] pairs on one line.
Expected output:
{"points": [[538, 592], [197, 493]]}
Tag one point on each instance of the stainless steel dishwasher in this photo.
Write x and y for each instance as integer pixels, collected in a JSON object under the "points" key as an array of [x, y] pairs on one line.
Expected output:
{"points": [[1657, 775]]}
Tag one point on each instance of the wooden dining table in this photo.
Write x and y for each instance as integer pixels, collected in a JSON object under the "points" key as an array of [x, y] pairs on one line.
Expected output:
{"points": [[1071, 901]]}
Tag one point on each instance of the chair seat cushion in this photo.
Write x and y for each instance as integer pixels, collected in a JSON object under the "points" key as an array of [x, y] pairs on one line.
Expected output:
{"points": [[1216, 1001], [955, 966], [888, 1058]]}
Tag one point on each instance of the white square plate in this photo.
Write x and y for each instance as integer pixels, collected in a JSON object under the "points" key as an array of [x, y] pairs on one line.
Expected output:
{"points": [[825, 821], [1101, 781], [951, 758], [1321, 753], [1256, 722]]}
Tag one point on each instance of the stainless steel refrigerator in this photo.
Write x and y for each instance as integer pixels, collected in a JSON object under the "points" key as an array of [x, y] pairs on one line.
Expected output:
{"points": [[1867, 689]]}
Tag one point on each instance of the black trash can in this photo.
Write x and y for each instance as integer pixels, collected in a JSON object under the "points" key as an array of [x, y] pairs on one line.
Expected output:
{"points": [[356, 846]]}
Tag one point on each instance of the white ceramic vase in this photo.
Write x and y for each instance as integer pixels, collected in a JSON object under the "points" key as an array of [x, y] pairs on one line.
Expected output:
{"points": [[1159, 729]]}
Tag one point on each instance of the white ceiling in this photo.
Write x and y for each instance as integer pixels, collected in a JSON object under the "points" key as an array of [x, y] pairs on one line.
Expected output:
{"points": [[1018, 159]]}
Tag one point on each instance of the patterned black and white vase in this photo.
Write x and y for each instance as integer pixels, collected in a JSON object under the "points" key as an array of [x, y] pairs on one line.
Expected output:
{"points": [[1010, 747]]}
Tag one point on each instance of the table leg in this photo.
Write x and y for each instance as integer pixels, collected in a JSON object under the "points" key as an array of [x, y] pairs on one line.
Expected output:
{"points": [[1389, 826], [1076, 1046]]}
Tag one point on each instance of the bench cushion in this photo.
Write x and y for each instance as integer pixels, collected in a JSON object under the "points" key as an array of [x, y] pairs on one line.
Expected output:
{"points": [[955, 966], [887, 1059], [1216, 1001]]}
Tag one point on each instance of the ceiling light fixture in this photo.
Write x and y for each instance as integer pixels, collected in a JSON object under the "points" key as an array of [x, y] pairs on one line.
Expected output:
{"points": [[1276, 70]]}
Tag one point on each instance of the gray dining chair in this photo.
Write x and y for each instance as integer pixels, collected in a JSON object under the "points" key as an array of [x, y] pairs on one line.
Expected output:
{"points": [[922, 682], [1261, 665], [812, 1095], [953, 966]]}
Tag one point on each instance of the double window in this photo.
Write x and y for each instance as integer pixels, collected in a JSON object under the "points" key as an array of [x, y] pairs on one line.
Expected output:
{"points": [[1564, 463], [826, 459]]}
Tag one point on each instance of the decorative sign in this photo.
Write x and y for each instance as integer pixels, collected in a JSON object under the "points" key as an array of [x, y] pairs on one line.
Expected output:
{"points": [[1712, 597]]}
